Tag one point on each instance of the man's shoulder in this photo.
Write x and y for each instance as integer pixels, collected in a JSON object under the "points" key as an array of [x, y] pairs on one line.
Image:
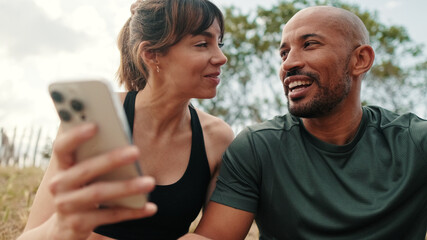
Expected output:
{"points": [[384, 118], [277, 123], [265, 131], [392, 124]]}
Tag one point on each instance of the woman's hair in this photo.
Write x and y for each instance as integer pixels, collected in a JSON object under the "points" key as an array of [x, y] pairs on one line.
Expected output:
{"points": [[162, 23]]}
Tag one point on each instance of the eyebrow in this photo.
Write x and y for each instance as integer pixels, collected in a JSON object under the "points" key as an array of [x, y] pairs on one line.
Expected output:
{"points": [[303, 37], [204, 33], [207, 34]]}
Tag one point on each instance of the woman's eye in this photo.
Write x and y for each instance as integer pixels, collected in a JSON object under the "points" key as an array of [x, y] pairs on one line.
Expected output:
{"points": [[220, 45], [202, 45]]}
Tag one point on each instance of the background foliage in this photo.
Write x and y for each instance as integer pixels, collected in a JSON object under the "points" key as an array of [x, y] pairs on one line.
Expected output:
{"points": [[251, 90]]}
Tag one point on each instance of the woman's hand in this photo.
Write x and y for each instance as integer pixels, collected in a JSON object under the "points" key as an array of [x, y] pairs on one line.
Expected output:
{"points": [[76, 199]]}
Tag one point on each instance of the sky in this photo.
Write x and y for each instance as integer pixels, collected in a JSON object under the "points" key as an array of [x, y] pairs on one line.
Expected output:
{"points": [[42, 41]]}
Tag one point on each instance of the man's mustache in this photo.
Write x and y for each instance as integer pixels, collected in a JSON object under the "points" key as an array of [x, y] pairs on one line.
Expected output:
{"points": [[299, 72]]}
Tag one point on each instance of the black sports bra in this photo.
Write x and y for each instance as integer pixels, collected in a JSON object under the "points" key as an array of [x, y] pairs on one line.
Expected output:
{"points": [[178, 203]]}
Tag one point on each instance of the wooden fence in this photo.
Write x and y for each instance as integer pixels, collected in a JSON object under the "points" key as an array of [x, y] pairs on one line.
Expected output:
{"points": [[25, 147]]}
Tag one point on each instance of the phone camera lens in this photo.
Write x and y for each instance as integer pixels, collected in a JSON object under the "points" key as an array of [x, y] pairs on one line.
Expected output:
{"points": [[57, 96], [77, 105], [64, 115]]}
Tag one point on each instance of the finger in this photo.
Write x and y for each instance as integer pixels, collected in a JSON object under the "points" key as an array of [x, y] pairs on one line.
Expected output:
{"points": [[113, 215], [66, 143], [87, 170], [89, 220], [97, 193]]}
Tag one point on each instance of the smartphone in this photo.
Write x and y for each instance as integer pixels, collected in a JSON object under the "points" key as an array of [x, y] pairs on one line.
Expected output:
{"points": [[81, 101]]}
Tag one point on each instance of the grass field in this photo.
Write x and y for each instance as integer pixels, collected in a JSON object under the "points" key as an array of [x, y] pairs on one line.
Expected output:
{"points": [[18, 187]]}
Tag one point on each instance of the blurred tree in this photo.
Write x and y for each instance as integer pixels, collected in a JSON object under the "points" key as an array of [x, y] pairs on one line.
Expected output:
{"points": [[251, 91], [46, 152]]}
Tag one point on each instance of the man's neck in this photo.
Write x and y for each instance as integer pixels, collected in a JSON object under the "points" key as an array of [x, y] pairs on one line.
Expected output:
{"points": [[337, 128]]}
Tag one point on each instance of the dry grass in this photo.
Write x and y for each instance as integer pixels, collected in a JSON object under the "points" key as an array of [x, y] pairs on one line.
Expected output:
{"points": [[18, 187]]}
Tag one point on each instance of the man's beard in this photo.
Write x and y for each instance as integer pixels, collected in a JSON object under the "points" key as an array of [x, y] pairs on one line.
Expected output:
{"points": [[326, 99]]}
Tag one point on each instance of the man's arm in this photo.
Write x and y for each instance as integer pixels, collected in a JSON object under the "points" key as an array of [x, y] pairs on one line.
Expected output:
{"points": [[222, 222], [231, 211]]}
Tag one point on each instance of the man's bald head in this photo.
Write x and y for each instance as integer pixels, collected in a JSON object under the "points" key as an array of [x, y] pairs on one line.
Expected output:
{"points": [[345, 22]]}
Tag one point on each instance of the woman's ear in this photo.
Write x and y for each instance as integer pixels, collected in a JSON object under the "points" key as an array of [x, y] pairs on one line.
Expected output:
{"points": [[363, 57], [148, 56]]}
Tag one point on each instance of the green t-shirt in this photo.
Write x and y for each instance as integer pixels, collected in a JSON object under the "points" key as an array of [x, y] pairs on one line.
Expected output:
{"points": [[299, 187]]}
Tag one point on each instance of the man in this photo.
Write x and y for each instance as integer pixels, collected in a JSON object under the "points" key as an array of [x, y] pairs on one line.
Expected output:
{"points": [[331, 169]]}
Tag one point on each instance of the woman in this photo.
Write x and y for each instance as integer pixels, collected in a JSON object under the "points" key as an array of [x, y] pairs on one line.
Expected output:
{"points": [[170, 53]]}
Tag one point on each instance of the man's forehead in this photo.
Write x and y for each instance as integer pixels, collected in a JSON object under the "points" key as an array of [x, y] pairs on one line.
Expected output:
{"points": [[301, 31], [311, 22]]}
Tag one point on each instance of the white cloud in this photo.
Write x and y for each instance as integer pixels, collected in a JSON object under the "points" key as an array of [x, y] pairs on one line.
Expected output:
{"points": [[52, 8], [27, 30], [393, 4], [88, 20], [47, 40]]}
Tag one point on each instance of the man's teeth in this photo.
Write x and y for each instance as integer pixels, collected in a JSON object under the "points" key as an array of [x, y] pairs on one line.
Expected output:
{"points": [[295, 84]]}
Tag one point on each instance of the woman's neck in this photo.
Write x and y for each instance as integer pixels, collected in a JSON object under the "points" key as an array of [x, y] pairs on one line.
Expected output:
{"points": [[160, 114]]}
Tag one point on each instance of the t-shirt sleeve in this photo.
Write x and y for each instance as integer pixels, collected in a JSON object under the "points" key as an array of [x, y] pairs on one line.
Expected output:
{"points": [[238, 181], [418, 133]]}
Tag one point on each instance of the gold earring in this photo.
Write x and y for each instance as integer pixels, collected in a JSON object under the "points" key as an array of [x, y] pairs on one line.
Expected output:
{"points": [[158, 69]]}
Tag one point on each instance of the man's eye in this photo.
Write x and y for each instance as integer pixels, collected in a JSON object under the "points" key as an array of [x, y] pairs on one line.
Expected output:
{"points": [[283, 54], [309, 43], [220, 45]]}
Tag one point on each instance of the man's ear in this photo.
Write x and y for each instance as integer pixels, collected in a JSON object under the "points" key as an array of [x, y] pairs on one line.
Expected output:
{"points": [[148, 56], [363, 58]]}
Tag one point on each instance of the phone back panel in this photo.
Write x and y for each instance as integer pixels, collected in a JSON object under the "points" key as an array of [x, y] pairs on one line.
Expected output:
{"points": [[93, 101]]}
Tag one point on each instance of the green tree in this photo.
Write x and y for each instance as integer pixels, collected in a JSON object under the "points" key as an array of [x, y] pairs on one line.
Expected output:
{"points": [[252, 92]]}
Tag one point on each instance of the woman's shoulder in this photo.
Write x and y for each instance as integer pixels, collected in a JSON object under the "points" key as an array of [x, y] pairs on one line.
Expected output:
{"points": [[214, 127], [217, 136]]}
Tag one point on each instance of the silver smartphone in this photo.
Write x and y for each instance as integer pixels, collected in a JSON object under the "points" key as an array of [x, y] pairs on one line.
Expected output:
{"points": [[93, 101]]}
